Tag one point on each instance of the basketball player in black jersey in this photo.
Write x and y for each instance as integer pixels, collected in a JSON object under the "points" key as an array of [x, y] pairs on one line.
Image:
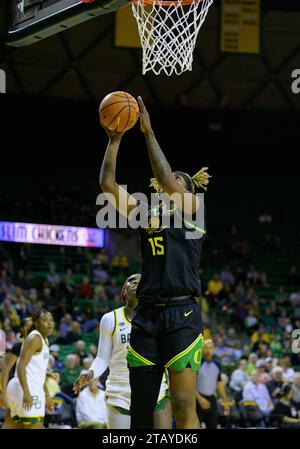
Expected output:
{"points": [[167, 326]]}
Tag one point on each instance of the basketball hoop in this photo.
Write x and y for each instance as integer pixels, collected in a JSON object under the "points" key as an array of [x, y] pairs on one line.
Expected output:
{"points": [[168, 31]]}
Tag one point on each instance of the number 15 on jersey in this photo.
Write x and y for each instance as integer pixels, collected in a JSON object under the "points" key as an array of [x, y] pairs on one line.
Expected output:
{"points": [[157, 246]]}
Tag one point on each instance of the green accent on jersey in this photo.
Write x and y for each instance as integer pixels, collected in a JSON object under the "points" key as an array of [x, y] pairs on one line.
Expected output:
{"points": [[124, 315], [194, 227], [116, 323], [190, 356], [122, 410], [161, 405], [135, 359], [28, 419]]}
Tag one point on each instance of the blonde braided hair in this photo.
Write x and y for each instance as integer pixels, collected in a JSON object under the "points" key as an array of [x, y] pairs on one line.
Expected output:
{"points": [[200, 179]]}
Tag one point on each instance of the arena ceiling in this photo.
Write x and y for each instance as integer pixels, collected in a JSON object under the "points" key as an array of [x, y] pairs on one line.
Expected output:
{"points": [[83, 63]]}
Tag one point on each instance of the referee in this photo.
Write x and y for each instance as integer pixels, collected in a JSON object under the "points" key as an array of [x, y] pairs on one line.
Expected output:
{"points": [[208, 382]]}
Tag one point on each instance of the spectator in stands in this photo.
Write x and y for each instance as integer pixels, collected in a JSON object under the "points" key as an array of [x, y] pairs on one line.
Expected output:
{"points": [[223, 352], [232, 340], [113, 289], [260, 337], [268, 319], [251, 321], [276, 346], [67, 289], [215, 285], [54, 352], [52, 277], [21, 281], [295, 298], [227, 276], [254, 277], [99, 274], [93, 350], [74, 333], [47, 299], [52, 381], [70, 373], [276, 383], [240, 293], [281, 297], [102, 258], [91, 407], [268, 364], [288, 372], [85, 290], [284, 413], [86, 364], [65, 324], [283, 320], [100, 302], [238, 379], [80, 350], [254, 391], [260, 366]]}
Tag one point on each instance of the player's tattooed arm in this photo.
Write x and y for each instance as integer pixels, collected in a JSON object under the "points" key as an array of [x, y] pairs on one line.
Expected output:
{"points": [[161, 168]]}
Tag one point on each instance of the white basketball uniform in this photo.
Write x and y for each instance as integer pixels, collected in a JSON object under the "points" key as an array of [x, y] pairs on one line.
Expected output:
{"points": [[36, 376], [118, 385]]}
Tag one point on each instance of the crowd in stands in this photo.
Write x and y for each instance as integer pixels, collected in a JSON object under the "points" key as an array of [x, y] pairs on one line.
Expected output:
{"points": [[55, 205]]}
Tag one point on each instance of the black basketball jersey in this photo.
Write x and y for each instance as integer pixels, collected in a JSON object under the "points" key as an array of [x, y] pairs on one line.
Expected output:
{"points": [[170, 261]]}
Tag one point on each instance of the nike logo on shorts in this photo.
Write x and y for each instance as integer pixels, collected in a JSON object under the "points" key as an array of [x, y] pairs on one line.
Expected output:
{"points": [[187, 313]]}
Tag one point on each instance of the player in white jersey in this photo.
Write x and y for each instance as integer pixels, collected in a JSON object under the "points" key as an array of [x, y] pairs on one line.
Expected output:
{"points": [[115, 328], [27, 394]]}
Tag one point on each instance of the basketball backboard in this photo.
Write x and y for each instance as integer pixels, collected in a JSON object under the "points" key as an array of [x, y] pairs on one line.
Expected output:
{"points": [[29, 21]]}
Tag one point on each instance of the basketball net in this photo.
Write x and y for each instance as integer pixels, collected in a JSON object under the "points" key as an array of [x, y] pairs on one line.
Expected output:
{"points": [[168, 31]]}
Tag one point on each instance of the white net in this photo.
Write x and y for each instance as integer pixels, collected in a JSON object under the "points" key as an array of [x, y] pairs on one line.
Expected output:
{"points": [[168, 31]]}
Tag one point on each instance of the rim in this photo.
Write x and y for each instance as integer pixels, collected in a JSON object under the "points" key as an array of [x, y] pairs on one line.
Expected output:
{"points": [[167, 2]]}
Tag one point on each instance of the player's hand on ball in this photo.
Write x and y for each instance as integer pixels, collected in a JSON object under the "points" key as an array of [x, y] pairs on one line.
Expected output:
{"points": [[145, 121], [112, 134], [27, 401], [81, 382]]}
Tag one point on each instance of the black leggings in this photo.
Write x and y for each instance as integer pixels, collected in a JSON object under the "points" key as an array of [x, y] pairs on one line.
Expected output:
{"points": [[145, 384], [209, 416]]}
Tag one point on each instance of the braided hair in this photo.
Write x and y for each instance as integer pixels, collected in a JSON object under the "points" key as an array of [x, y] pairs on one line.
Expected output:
{"points": [[199, 179]]}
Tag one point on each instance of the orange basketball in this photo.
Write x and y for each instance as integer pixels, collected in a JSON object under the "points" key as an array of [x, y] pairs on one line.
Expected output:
{"points": [[119, 111]]}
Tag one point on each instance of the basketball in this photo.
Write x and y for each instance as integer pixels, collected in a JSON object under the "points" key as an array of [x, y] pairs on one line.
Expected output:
{"points": [[119, 111]]}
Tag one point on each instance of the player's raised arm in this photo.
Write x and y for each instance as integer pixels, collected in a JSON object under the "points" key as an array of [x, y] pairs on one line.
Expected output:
{"points": [[124, 202], [161, 168]]}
